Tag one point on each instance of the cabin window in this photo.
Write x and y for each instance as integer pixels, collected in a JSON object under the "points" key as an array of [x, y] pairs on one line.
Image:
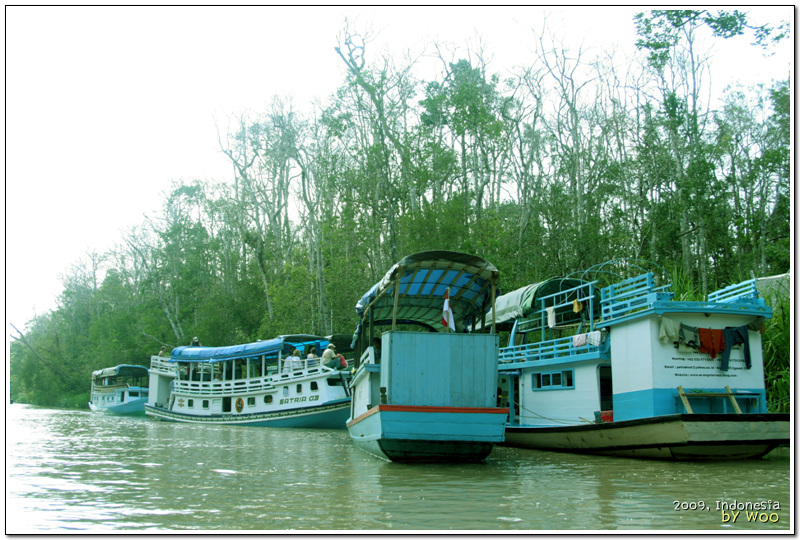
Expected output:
{"points": [[190, 403], [553, 380], [285, 390], [268, 399], [251, 401], [314, 386], [299, 388], [133, 394], [205, 404]]}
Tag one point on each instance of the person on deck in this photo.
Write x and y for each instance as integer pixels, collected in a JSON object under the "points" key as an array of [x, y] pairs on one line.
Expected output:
{"points": [[329, 358], [376, 346], [195, 342], [313, 359]]}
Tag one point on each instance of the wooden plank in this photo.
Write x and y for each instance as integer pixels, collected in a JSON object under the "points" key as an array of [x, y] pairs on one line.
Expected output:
{"points": [[733, 400], [685, 401]]}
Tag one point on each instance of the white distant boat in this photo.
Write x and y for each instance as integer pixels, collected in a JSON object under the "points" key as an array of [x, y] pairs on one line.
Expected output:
{"points": [[627, 370], [119, 390], [253, 384]]}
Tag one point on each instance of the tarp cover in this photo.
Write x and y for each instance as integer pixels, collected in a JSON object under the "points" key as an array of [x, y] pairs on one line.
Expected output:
{"points": [[523, 302], [247, 350], [423, 279], [123, 370]]}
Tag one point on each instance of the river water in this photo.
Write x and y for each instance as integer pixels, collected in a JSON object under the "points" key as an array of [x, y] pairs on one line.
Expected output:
{"points": [[77, 471]]}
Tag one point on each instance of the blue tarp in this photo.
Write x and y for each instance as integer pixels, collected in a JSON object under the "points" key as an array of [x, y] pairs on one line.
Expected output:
{"points": [[248, 350]]}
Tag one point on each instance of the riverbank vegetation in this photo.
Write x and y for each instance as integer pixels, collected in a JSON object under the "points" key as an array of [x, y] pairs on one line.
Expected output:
{"points": [[543, 170]]}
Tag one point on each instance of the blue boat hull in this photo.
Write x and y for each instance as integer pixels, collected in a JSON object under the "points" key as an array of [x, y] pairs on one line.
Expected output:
{"points": [[412, 434], [134, 407], [332, 415]]}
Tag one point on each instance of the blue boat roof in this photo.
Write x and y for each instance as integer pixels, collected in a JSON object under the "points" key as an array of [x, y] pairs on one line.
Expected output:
{"points": [[422, 280], [247, 350]]}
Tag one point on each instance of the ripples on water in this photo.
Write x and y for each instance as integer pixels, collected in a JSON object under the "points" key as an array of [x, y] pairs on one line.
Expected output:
{"points": [[76, 471]]}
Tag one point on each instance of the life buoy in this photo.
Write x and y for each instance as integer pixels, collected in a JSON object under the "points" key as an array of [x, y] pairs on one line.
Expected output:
{"points": [[239, 405]]}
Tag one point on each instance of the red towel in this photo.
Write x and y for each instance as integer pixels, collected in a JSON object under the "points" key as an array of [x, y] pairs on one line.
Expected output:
{"points": [[711, 341]]}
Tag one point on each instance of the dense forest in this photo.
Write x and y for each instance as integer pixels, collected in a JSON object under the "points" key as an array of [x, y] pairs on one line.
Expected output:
{"points": [[543, 170]]}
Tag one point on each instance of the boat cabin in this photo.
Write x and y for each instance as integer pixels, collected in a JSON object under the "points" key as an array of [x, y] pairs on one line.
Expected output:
{"points": [[580, 353]]}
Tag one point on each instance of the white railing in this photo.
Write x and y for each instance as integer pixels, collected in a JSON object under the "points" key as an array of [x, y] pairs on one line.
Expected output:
{"points": [[162, 366]]}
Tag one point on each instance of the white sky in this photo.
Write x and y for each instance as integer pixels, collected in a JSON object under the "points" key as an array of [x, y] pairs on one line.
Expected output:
{"points": [[105, 106]]}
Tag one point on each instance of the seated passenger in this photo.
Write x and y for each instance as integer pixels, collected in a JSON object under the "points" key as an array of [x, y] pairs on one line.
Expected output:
{"points": [[312, 358], [329, 358]]}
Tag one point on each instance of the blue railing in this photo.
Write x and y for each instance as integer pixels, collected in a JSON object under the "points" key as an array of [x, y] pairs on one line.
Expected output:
{"points": [[562, 348], [745, 291], [631, 295]]}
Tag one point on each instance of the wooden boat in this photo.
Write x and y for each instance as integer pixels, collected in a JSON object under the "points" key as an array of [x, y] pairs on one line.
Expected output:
{"points": [[423, 392], [623, 370], [253, 384], [120, 389]]}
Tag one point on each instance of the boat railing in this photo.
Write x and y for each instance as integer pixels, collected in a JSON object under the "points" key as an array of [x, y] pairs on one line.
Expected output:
{"points": [[297, 373], [745, 291], [248, 385], [633, 294], [242, 386], [592, 345], [162, 366], [640, 293], [572, 309]]}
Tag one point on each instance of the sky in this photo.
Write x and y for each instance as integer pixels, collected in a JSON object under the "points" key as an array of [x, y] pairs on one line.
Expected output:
{"points": [[107, 106]]}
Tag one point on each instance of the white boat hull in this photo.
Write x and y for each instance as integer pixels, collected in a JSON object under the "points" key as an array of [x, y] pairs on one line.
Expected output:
{"points": [[332, 415]]}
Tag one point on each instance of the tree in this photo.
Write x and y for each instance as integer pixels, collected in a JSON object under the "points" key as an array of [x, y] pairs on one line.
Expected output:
{"points": [[661, 31]]}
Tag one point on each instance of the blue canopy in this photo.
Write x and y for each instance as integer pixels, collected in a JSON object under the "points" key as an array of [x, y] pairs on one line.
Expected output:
{"points": [[422, 280], [281, 344]]}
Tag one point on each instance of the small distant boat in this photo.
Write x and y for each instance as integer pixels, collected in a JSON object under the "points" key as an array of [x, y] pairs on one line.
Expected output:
{"points": [[119, 390], [627, 370], [253, 384], [423, 392]]}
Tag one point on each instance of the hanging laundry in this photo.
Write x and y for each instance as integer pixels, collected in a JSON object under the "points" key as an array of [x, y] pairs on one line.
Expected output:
{"points": [[551, 317], [687, 335], [735, 336], [711, 341], [576, 306], [579, 340], [594, 338], [668, 332]]}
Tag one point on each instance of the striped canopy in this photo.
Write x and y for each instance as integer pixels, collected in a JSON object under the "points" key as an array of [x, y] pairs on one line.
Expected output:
{"points": [[413, 290]]}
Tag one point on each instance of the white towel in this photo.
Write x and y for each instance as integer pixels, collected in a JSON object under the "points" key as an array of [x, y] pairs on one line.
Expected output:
{"points": [[668, 333], [551, 317], [593, 338], [578, 340]]}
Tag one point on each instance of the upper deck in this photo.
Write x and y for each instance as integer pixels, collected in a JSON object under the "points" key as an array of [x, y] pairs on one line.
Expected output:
{"points": [[575, 311]]}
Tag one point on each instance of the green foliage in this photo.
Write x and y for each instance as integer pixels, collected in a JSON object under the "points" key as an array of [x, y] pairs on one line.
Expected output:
{"points": [[662, 29], [777, 348]]}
